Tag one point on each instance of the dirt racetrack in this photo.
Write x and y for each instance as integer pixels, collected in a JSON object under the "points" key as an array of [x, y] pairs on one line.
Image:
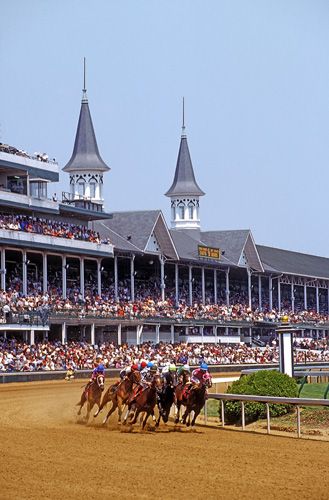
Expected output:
{"points": [[46, 454]]}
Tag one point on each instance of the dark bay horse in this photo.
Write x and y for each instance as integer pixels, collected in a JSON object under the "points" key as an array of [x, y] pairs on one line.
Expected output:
{"points": [[119, 394], [92, 395], [194, 400], [165, 397], [145, 401]]}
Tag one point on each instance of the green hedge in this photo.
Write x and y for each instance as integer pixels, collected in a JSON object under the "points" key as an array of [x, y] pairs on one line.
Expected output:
{"points": [[260, 383]]}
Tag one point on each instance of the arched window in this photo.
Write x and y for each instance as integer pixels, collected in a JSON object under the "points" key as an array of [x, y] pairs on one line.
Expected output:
{"points": [[181, 211]]}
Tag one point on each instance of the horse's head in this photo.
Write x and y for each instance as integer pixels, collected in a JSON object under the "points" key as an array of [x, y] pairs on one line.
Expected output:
{"points": [[135, 377], [172, 378], [157, 382], [100, 380]]}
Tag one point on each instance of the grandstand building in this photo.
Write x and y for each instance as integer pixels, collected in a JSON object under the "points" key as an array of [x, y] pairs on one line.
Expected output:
{"points": [[74, 249]]}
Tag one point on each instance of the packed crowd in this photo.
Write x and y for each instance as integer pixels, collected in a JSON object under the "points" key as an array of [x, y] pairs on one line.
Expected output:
{"points": [[12, 303], [47, 356], [5, 148], [49, 228]]}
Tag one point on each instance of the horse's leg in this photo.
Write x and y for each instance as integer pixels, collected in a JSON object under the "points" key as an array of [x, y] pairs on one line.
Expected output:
{"points": [[178, 405], [147, 414], [185, 416], [88, 412], [196, 414], [114, 407], [81, 402], [134, 420], [101, 406]]}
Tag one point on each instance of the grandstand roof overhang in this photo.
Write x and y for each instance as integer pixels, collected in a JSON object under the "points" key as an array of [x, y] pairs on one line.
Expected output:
{"points": [[34, 168], [82, 213]]}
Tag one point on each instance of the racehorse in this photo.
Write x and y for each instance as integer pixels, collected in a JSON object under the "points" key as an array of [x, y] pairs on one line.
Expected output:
{"points": [[194, 400], [165, 397], [119, 394], [145, 401], [92, 395]]}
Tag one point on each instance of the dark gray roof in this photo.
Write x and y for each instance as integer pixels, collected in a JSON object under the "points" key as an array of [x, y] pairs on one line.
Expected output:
{"points": [[85, 154], [230, 242], [184, 183], [286, 261], [131, 231]]}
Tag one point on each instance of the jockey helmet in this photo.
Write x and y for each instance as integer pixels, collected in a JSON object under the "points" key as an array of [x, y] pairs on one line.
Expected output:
{"points": [[150, 364], [143, 364], [186, 368], [204, 367], [134, 367], [172, 367], [153, 368], [100, 368]]}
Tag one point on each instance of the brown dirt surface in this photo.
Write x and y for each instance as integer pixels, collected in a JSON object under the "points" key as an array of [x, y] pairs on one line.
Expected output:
{"points": [[47, 453]]}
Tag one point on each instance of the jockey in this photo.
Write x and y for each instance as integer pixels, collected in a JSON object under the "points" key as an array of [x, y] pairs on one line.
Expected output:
{"points": [[127, 370], [201, 375], [184, 373], [98, 370], [169, 373]]}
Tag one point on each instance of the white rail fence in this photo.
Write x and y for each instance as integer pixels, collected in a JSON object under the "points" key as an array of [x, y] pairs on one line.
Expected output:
{"points": [[267, 400]]}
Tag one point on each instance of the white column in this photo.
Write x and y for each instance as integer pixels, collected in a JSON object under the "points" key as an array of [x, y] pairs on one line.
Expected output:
{"points": [[270, 291], [82, 276], [92, 334], [190, 284], [249, 287], [292, 295], [162, 278], [3, 268], [328, 298], [157, 334], [132, 278], [119, 334], [99, 277], [215, 286], [176, 284], [286, 361], [260, 292], [64, 333], [317, 298], [172, 333], [44, 273], [305, 295], [227, 287], [24, 258], [116, 278], [201, 331], [31, 337], [64, 276], [279, 295], [203, 286]]}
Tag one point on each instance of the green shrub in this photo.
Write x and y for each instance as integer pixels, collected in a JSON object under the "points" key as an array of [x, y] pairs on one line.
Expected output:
{"points": [[260, 383]]}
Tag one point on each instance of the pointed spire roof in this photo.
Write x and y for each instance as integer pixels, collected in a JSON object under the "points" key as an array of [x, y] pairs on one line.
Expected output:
{"points": [[184, 183], [85, 154]]}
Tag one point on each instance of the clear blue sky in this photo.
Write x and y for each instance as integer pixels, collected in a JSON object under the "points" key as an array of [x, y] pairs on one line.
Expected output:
{"points": [[255, 76]]}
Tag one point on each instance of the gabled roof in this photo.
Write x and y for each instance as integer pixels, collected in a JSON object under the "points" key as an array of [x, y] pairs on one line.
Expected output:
{"points": [[133, 230], [286, 261], [85, 154], [184, 183], [230, 242]]}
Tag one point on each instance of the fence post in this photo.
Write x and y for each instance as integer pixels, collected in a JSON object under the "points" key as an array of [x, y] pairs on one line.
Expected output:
{"points": [[243, 416], [205, 412], [298, 422], [268, 418], [223, 412]]}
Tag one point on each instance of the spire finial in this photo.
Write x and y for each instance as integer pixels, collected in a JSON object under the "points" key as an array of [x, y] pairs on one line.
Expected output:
{"points": [[183, 124], [84, 90]]}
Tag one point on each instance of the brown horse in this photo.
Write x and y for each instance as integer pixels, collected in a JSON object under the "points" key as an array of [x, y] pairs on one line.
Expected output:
{"points": [[193, 399], [119, 395], [92, 395], [145, 401]]}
